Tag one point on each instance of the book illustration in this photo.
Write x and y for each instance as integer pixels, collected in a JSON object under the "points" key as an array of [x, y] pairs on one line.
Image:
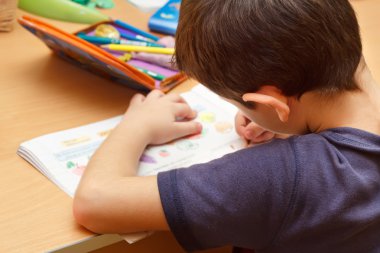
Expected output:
{"points": [[79, 169], [164, 153], [147, 159], [223, 127], [207, 117], [76, 141], [186, 145], [70, 165], [81, 151], [75, 168]]}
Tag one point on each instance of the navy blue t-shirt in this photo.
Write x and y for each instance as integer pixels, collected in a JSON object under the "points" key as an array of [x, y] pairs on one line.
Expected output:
{"points": [[311, 193]]}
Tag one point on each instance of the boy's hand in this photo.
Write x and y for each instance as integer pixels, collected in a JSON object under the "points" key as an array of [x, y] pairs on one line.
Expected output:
{"points": [[250, 131], [160, 118]]}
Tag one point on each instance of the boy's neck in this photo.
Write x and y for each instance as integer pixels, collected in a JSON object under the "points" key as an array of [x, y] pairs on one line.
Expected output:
{"points": [[357, 109]]}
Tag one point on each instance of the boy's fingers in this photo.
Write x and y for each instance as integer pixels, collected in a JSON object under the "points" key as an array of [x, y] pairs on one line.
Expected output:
{"points": [[155, 94], [187, 128], [184, 111], [137, 98], [252, 131], [240, 124], [257, 134], [265, 136], [175, 98]]}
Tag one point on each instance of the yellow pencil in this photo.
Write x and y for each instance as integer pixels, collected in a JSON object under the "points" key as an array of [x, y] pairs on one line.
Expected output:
{"points": [[131, 48]]}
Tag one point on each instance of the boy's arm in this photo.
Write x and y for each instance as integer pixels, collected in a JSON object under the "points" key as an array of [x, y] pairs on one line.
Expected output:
{"points": [[110, 197]]}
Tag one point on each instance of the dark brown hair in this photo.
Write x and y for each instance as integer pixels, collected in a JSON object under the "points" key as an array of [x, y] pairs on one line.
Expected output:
{"points": [[237, 46]]}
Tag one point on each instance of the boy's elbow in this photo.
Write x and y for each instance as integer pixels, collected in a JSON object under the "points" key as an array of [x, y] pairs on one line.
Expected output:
{"points": [[87, 210]]}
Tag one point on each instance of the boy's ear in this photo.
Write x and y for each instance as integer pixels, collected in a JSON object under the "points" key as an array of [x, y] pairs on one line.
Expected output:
{"points": [[271, 97]]}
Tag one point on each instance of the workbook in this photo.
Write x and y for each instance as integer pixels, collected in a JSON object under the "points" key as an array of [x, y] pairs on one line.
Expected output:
{"points": [[62, 156]]}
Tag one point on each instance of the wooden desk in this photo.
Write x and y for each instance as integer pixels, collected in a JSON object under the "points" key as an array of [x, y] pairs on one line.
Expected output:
{"points": [[41, 94]]}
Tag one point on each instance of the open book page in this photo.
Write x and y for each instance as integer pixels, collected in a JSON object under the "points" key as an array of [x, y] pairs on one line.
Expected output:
{"points": [[218, 136], [62, 156]]}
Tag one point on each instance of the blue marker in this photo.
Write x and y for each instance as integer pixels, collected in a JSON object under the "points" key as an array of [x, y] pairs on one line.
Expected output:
{"points": [[101, 40], [133, 37], [136, 30], [98, 40]]}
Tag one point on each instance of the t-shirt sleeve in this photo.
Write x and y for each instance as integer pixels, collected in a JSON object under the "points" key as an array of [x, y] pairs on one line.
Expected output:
{"points": [[240, 199]]}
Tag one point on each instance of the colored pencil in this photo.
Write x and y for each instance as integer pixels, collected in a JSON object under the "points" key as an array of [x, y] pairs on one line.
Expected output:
{"points": [[136, 30], [100, 40], [151, 73], [131, 48]]}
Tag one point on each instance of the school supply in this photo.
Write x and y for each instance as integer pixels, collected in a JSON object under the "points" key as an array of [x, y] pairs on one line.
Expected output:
{"points": [[126, 57], [104, 62], [165, 20], [131, 36], [107, 31], [64, 10], [100, 40], [136, 30], [152, 74], [62, 156], [159, 59], [105, 4], [131, 48]]}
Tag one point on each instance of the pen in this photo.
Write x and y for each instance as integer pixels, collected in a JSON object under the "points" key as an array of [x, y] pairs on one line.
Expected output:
{"points": [[101, 40], [136, 30], [131, 48], [131, 36], [98, 40], [151, 73]]}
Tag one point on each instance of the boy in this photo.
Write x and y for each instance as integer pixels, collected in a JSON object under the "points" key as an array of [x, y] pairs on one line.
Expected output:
{"points": [[291, 67]]}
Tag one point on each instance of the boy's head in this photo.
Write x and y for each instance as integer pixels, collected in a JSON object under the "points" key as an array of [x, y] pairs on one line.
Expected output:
{"points": [[236, 47]]}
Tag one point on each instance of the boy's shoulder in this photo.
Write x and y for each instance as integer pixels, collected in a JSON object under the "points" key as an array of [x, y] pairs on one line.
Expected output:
{"points": [[341, 138], [326, 148]]}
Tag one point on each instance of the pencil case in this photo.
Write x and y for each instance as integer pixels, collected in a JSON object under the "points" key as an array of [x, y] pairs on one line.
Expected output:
{"points": [[99, 60]]}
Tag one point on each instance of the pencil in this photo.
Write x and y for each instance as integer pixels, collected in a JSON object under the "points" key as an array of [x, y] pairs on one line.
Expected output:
{"points": [[136, 30], [151, 74], [102, 40], [132, 48]]}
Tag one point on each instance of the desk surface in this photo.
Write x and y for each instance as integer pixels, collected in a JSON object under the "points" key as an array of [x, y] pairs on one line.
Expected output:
{"points": [[41, 94]]}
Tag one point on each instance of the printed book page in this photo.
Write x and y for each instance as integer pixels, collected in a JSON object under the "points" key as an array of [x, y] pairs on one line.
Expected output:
{"points": [[62, 156]]}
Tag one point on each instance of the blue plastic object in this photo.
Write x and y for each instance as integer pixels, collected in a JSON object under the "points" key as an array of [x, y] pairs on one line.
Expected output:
{"points": [[165, 20]]}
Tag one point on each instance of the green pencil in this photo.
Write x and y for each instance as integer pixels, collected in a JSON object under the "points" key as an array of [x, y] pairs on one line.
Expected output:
{"points": [[151, 74]]}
